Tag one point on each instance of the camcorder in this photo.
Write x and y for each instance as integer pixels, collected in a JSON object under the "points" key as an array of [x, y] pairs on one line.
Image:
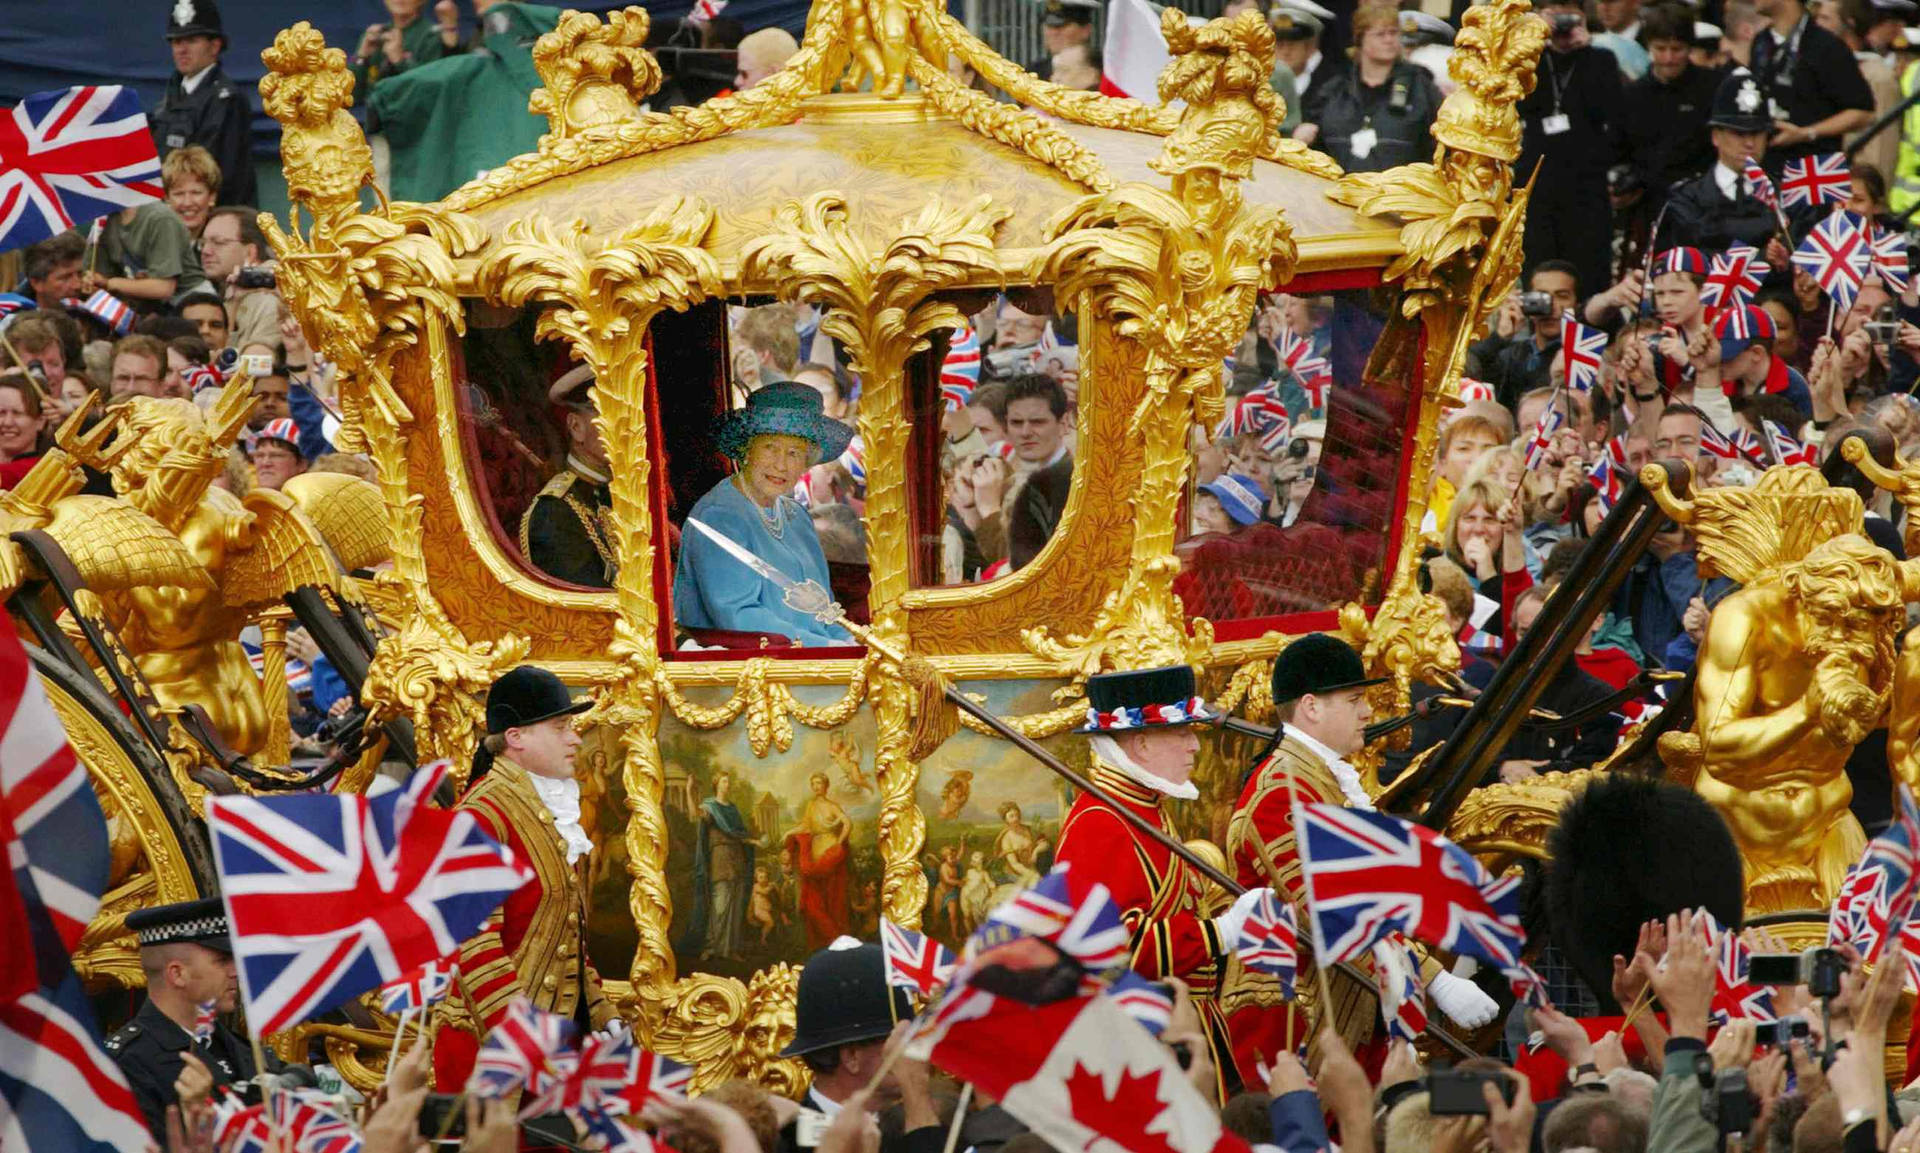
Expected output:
{"points": [[1726, 1101], [1458, 1092], [1819, 969]]}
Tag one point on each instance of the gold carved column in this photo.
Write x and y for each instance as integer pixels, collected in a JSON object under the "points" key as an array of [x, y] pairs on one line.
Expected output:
{"points": [[603, 297], [879, 304]]}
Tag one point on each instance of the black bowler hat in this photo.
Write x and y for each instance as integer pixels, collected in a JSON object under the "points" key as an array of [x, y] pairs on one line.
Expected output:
{"points": [[1740, 104], [1138, 699], [201, 922], [194, 18], [527, 695], [844, 999], [1317, 664]]}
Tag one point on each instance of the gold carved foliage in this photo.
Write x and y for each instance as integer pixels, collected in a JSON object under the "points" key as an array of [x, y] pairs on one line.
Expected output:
{"points": [[727, 1030], [596, 74], [1502, 821]]}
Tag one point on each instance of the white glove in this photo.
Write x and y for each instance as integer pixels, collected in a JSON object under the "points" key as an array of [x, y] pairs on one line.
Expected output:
{"points": [[1228, 923], [613, 1030], [1462, 1000]]}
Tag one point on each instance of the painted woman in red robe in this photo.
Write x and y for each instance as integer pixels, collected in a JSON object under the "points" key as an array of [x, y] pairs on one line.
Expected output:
{"points": [[817, 853]]}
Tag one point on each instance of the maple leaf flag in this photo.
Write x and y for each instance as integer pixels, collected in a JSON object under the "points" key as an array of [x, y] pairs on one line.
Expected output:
{"points": [[1079, 1072]]}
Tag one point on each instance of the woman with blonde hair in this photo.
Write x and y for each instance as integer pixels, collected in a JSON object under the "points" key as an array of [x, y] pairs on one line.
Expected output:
{"points": [[1483, 536], [191, 178]]}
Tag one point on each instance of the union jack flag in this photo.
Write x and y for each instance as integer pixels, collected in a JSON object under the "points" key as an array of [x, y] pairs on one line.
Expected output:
{"points": [[1787, 448], [58, 1087], [204, 1014], [1760, 184], [1732, 995], [1148, 1002], [704, 11], [1605, 477], [1880, 891], [1550, 422], [1837, 255], [386, 884], [1816, 180], [528, 1047], [1259, 411], [310, 1122], [1077, 917], [71, 156], [914, 960], [1529, 987], [1890, 258], [1581, 347], [1615, 450], [1368, 875], [1736, 275], [420, 988], [12, 302], [960, 371], [1314, 372], [854, 460], [239, 1127], [1270, 941], [589, 1081], [1743, 445], [199, 376], [106, 308], [1403, 1003], [663, 1075]]}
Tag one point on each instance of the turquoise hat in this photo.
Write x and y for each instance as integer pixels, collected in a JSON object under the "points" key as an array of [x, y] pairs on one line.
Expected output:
{"points": [[785, 408]]}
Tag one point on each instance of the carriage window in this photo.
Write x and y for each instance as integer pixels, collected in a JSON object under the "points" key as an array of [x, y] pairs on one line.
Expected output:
{"points": [[737, 421], [995, 412], [1292, 508]]}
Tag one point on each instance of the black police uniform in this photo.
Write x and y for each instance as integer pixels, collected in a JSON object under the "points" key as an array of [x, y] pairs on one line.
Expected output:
{"points": [[565, 532], [1699, 214], [151, 1048], [216, 115], [1567, 132], [1390, 122], [1807, 77]]}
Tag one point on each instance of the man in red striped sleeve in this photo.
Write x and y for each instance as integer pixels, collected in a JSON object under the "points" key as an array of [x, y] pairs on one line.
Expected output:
{"points": [[524, 794], [1139, 726]]}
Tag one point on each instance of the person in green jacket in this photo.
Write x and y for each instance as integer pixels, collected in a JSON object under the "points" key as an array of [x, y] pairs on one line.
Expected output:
{"points": [[449, 121]]}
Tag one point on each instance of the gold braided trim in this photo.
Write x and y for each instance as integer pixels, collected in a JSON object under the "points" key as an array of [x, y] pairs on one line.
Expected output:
{"points": [[1012, 126]]}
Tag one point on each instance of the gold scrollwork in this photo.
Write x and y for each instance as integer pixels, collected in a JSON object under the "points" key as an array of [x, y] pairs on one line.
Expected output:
{"points": [[596, 74]]}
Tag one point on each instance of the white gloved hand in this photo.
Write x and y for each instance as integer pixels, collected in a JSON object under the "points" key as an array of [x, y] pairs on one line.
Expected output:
{"points": [[1462, 1000], [613, 1030], [1228, 923]]}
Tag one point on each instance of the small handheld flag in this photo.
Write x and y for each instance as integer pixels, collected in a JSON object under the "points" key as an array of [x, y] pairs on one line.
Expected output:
{"points": [[1816, 180]]}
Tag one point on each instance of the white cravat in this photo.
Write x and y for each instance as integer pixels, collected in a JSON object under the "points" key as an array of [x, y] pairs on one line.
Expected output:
{"points": [[189, 83], [1348, 776], [562, 799], [1108, 750]]}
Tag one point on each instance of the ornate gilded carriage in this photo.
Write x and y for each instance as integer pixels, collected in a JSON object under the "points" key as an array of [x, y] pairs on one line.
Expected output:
{"points": [[865, 181]]}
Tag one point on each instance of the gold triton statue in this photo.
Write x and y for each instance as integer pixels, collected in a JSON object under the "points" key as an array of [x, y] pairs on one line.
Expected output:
{"points": [[1796, 669]]}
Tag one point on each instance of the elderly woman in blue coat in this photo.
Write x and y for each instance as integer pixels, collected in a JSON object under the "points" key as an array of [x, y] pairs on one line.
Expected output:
{"points": [[782, 432]]}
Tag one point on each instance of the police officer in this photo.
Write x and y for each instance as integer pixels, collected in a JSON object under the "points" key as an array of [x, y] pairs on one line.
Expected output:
{"points": [[1067, 23], [1568, 132], [1718, 207], [188, 961], [201, 105], [843, 1015], [1378, 113], [567, 532], [1812, 83]]}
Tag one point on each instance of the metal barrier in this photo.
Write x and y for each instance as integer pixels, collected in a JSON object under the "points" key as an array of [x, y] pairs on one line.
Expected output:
{"points": [[1012, 27]]}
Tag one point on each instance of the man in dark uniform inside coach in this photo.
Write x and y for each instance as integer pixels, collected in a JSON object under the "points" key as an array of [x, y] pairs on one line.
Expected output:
{"points": [[566, 532], [201, 105], [187, 960], [1718, 207]]}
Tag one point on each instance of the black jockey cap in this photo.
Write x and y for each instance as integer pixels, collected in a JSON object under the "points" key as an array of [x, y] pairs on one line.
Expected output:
{"points": [[1318, 664], [1061, 12], [202, 922], [1137, 699], [1740, 105], [194, 18], [844, 999], [527, 695]]}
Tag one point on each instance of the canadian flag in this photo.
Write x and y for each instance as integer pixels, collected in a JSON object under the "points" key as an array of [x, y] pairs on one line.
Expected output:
{"points": [[1080, 1072], [1135, 51]]}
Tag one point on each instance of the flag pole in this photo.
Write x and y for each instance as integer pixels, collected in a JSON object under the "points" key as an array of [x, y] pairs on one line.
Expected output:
{"points": [[959, 1115]]}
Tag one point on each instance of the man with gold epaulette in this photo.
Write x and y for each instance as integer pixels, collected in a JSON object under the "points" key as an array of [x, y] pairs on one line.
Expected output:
{"points": [[567, 532], [524, 794], [1139, 726], [1319, 690]]}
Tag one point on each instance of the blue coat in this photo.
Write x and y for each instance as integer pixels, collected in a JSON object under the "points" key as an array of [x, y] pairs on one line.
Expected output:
{"points": [[712, 590]]}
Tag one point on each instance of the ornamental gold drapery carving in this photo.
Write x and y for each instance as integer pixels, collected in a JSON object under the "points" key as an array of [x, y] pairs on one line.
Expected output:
{"points": [[881, 305], [367, 287], [1176, 272], [602, 296]]}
